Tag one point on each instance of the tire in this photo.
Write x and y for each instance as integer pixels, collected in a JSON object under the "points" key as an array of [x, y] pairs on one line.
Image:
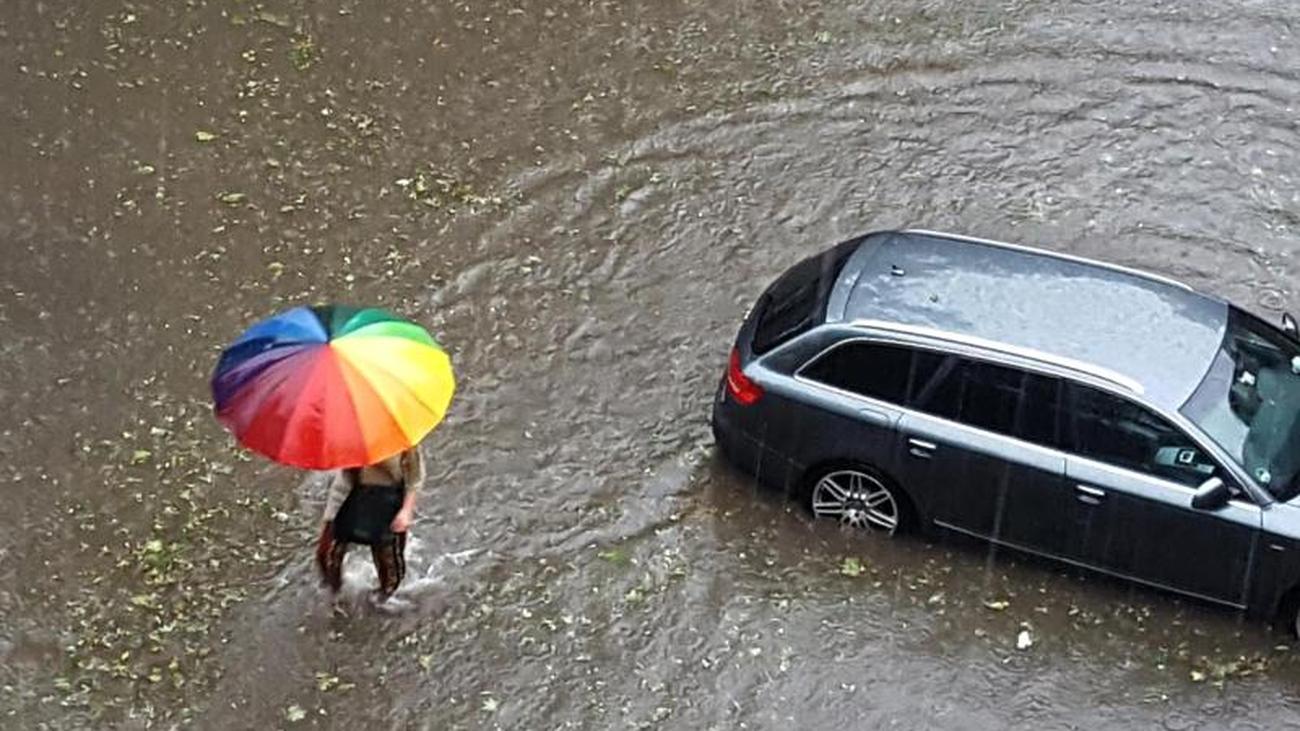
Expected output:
{"points": [[859, 498]]}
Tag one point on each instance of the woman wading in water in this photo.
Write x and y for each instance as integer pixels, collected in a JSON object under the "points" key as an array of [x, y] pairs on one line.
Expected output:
{"points": [[373, 505]]}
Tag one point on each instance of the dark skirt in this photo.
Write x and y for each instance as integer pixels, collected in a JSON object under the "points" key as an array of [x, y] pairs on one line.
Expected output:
{"points": [[366, 516]]}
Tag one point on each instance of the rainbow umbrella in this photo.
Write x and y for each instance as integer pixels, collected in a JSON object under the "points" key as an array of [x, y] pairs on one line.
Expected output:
{"points": [[328, 387]]}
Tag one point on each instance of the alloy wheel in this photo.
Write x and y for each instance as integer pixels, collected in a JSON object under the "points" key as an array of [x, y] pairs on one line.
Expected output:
{"points": [[857, 500]]}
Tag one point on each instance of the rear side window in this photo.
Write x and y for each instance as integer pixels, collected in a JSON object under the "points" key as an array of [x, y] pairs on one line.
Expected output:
{"points": [[999, 399], [890, 373], [795, 302]]}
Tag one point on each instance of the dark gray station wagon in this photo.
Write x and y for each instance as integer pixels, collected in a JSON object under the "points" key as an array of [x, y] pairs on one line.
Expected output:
{"points": [[1102, 416]]}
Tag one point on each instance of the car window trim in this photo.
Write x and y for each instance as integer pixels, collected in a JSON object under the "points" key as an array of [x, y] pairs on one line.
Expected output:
{"points": [[1225, 465], [984, 345]]}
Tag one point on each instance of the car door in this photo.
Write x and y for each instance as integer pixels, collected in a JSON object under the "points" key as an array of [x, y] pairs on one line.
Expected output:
{"points": [[853, 394], [1136, 472], [982, 437]]}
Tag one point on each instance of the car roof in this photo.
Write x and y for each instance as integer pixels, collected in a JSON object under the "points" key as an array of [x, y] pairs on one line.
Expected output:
{"points": [[1152, 331]]}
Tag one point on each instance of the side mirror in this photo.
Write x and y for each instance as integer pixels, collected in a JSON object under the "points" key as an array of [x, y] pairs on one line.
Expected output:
{"points": [[1289, 326], [1211, 495]]}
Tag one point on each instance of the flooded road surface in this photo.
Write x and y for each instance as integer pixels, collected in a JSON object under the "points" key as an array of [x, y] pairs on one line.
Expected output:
{"points": [[580, 199]]}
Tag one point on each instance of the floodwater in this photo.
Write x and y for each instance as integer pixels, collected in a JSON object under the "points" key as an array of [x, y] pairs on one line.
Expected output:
{"points": [[580, 199]]}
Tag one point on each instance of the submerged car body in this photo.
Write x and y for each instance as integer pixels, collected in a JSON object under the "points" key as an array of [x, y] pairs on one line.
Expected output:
{"points": [[1094, 414]]}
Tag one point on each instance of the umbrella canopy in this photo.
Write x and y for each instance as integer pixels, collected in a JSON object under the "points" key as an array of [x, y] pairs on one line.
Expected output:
{"points": [[328, 387]]}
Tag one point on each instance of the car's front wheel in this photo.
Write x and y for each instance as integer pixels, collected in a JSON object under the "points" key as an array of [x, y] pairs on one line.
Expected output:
{"points": [[858, 499]]}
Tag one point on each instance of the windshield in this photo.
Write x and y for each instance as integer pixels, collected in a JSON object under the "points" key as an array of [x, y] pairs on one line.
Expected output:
{"points": [[1249, 402]]}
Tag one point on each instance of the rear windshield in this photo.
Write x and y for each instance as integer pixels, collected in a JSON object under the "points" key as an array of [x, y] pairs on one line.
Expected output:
{"points": [[797, 301]]}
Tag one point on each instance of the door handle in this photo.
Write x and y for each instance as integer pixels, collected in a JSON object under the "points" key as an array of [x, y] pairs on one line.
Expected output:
{"points": [[920, 449], [1089, 495]]}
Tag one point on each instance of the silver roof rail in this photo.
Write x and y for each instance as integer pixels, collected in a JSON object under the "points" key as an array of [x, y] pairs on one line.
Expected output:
{"points": [[994, 346], [1054, 254]]}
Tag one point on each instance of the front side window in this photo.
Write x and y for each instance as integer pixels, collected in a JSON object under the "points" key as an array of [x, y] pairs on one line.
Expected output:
{"points": [[1249, 403], [1110, 429], [891, 373]]}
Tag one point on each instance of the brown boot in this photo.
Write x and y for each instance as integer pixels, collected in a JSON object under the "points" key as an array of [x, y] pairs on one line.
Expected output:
{"points": [[390, 564], [329, 558]]}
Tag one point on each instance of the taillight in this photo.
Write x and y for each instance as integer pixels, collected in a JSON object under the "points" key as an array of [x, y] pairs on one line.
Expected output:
{"points": [[742, 389]]}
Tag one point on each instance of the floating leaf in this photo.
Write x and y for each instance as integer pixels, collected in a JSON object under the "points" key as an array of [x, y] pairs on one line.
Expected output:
{"points": [[295, 713], [998, 605], [140, 456], [614, 555], [1198, 676], [144, 600], [204, 136], [281, 21], [232, 198], [851, 567]]}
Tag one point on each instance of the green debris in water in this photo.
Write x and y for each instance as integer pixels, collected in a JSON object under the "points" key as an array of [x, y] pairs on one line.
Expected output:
{"points": [[204, 136], [615, 556], [303, 52], [281, 21], [444, 191], [232, 199], [144, 600], [852, 567], [1220, 671]]}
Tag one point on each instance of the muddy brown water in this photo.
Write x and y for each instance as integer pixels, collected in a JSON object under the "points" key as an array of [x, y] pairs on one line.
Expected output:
{"points": [[580, 199]]}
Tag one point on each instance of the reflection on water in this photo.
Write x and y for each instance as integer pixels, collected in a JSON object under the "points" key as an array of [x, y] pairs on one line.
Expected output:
{"points": [[581, 199]]}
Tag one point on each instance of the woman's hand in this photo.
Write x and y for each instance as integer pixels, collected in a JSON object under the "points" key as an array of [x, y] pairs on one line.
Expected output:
{"points": [[402, 521]]}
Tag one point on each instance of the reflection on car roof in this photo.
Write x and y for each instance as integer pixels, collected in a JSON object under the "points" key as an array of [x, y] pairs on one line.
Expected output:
{"points": [[1157, 332]]}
